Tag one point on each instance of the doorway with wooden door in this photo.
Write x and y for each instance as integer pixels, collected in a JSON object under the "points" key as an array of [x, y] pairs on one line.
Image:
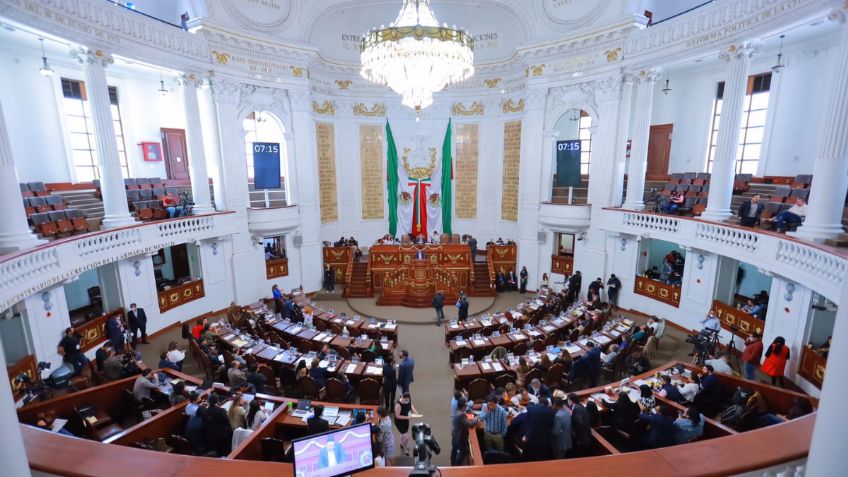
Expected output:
{"points": [[176, 153], [659, 150]]}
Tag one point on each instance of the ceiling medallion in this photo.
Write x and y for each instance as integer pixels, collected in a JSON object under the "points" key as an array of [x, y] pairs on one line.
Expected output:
{"points": [[416, 57]]}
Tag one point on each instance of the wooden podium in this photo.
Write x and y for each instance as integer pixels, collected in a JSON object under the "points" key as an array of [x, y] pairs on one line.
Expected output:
{"points": [[399, 277]]}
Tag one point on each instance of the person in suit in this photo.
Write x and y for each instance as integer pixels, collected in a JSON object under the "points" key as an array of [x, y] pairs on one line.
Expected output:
{"points": [[216, 426], [137, 320], [331, 455], [574, 285], [472, 244], [581, 427], [511, 281], [438, 305], [613, 287], [460, 424], [318, 373], [390, 381], [537, 434], [561, 432], [462, 306], [405, 371], [316, 424], [115, 332], [538, 389], [750, 210]]}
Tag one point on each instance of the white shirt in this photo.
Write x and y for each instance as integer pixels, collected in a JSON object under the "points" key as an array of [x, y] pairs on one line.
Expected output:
{"points": [[719, 365], [799, 210], [516, 400], [689, 391], [175, 356], [258, 419]]}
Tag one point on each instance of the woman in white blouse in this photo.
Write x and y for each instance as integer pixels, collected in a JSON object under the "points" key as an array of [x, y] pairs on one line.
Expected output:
{"points": [[255, 415]]}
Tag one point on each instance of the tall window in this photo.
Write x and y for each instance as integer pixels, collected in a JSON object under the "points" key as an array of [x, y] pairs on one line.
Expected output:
{"points": [[751, 128], [585, 141], [261, 127], [81, 130]]}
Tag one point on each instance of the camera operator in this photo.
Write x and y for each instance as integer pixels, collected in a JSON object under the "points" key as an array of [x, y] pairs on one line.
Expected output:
{"points": [[69, 348], [711, 323]]}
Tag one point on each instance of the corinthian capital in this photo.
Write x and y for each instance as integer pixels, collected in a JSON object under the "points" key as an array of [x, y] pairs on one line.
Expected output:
{"points": [[190, 79], [643, 76], [740, 50], [91, 56], [225, 91]]}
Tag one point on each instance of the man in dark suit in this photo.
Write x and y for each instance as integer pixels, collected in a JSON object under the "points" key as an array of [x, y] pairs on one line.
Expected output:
{"points": [[750, 210], [561, 432], [115, 332], [613, 287], [462, 305], [137, 319], [574, 285], [316, 424], [405, 369], [216, 426], [390, 382], [472, 244], [581, 428], [537, 435], [439, 304], [538, 389]]}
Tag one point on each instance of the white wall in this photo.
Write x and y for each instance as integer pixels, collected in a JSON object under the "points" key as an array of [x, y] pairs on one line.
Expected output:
{"points": [[76, 292], [32, 104], [793, 123]]}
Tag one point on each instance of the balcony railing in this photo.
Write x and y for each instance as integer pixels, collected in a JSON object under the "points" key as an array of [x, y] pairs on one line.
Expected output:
{"points": [[29, 271], [818, 267]]}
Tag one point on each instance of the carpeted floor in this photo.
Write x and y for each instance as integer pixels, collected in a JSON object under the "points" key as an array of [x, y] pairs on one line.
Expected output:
{"points": [[433, 386], [418, 316]]}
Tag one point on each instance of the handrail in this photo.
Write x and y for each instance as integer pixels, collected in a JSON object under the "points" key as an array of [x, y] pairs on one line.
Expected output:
{"points": [[817, 266], [490, 262], [31, 270]]}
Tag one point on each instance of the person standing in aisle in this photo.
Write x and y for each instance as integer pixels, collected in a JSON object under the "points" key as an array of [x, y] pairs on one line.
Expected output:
{"points": [[462, 305], [523, 277], [137, 320], [405, 369], [613, 287], [439, 304], [752, 355], [776, 357]]}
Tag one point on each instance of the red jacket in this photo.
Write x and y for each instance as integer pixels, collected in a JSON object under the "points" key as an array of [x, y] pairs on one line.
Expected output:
{"points": [[753, 352]]}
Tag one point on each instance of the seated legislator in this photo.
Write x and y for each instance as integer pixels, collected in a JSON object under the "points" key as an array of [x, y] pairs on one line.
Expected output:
{"points": [[316, 424], [794, 216]]}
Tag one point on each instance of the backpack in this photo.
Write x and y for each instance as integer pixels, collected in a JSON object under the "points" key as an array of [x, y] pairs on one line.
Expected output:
{"points": [[740, 397], [731, 415]]}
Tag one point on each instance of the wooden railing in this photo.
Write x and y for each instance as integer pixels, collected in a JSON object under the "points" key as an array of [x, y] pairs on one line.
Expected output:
{"points": [[812, 366], [94, 332], [668, 294], [279, 267], [562, 264], [737, 321], [180, 295]]}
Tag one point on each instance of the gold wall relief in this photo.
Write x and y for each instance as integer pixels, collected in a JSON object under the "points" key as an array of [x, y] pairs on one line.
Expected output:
{"points": [[222, 58], [612, 55], [535, 70], [327, 108], [467, 154], [477, 109], [378, 110], [324, 133], [492, 83], [510, 107], [511, 163], [343, 84], [297, 71], [371, 170]]}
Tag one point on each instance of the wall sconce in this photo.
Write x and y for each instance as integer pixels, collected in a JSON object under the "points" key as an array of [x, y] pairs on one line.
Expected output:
{"points": [[623, 244], [790, 289], [45, 297], [701, 259], [137, 268]]}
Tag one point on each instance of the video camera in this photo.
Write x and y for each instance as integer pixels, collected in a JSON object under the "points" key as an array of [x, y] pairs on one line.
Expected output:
{"points": [[703, 344], [425, 443]]}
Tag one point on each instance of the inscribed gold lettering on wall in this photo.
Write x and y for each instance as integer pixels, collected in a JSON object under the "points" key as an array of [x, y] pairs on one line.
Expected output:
{"points": [[326, 146], [371, 170], [511, 161], [467, 147]]}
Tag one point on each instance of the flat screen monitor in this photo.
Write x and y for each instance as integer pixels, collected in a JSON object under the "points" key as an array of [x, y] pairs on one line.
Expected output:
{"points": [[335, 453]]}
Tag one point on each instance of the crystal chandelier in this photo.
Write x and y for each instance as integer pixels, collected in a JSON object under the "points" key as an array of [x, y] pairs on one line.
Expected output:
{"points": [[416, 57]]}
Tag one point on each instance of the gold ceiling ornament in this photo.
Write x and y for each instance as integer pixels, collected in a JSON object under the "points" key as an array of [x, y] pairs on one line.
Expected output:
{"points": [[327, 108], [297, 71], [612, 55], [343, 84], [537, 70], [477, 109], [492, 83], [419, 173], [222, 58], [415, 56], [510, 107], [379, 109]]}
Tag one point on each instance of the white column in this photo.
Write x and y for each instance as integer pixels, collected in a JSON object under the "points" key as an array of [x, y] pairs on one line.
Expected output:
{"points": [[827, 451], [196, 155], [645, 81], [12, 452], [738, 57], [623, 134], [14, 230], [548, 148], [830, 174], [529, 195], [116, 212], [605, 144]]}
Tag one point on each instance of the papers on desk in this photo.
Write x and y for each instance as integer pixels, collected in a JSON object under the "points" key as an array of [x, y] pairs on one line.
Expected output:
{"points": [[227, 405], [602, 339], [622, 328], [295, 329], [486, 322], [454, 326], [320, 336], [281, 357], [479, 342], [486, 366], [460, 342], [549, 328], [330, 413], [350, 368], [58, 424], [191, 389], [301, 413], [248, 397], [228, 337], [343, 418], [600, 396], [323, 363], [517, 337], [268, 406], [573, 349], [389, 326], [373, 370]]}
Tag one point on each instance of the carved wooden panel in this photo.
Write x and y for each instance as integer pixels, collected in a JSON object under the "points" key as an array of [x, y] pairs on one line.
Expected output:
{"points": [[668, 294], [177, 296]]}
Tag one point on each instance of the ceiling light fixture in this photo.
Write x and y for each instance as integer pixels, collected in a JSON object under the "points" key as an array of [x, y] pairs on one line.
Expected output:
{"points": [[416, 57], [162, 90], [779, 66], [45, 69], [667, 88]]}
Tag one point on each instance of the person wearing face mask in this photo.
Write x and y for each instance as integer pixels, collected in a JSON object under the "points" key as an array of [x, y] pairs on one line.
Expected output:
{"points": [[137, 320], [711, 323], [403, 409]]}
